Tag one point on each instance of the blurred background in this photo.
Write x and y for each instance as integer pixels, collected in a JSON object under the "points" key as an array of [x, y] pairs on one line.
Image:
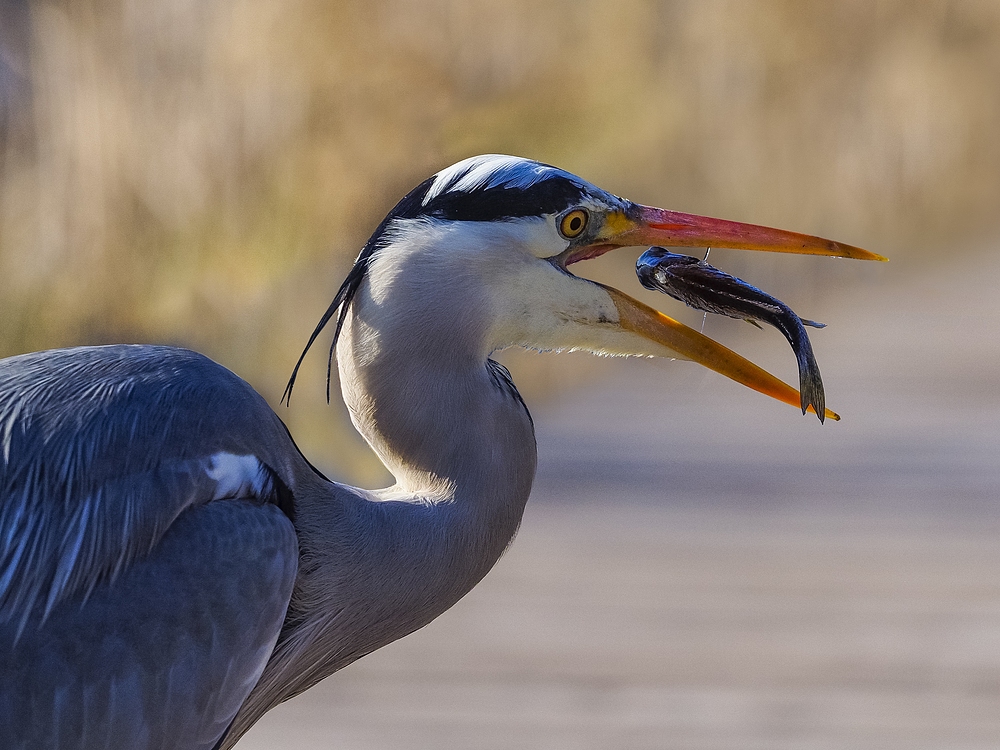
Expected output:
{"points": [[698, 567]]}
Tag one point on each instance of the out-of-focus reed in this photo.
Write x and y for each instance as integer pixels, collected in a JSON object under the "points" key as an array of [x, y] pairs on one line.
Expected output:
{"points": [[201, 172]]}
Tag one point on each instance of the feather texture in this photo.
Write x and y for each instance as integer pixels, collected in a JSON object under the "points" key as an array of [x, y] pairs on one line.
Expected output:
{"points": [[81, 494], [493, 171], [164, 658]]}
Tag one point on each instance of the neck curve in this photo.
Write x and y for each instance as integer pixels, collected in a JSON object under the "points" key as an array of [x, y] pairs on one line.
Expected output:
{"points": [[450, 426], [445, 427], [377, 565], [415, 374]]}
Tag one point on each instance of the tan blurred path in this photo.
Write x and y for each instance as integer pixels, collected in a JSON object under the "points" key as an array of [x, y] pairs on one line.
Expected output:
{"points": [[702, 568]]}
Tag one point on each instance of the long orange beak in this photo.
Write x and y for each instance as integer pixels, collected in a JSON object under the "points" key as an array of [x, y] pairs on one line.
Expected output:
{"points": [[658, 226], [645, 225]]}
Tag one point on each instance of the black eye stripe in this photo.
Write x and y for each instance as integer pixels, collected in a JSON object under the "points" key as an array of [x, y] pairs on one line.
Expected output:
{"points": [[497, 203]]}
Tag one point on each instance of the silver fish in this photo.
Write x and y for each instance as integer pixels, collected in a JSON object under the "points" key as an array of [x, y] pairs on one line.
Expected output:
{"points": [[704, 287]]}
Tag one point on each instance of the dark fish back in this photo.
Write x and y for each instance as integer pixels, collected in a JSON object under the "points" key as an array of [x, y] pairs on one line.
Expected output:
{"points": [[704, 287]]}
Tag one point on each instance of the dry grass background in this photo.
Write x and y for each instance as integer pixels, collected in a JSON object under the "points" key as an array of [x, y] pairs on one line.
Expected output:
{"points": [[201, 172]]}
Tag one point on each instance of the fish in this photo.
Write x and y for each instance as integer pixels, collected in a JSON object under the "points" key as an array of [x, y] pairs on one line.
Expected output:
{"points": [[704, 287]]}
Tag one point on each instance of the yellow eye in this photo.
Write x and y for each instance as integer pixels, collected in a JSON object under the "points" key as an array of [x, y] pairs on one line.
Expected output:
{"points": [[573, 223]]}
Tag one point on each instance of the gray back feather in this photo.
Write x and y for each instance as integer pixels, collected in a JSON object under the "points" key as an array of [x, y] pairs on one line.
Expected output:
{"points": [[100, 450]]}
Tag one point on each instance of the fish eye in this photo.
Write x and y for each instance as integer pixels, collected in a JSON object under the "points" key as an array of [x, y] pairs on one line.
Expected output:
{"points": [[573, 223]]}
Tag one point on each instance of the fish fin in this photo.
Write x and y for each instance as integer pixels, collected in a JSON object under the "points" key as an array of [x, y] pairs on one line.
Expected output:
{"points": [[812, 323]]}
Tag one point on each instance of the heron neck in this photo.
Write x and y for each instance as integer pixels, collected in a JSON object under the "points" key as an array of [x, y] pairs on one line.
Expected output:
{"points": [[377, 565], [441, 417], [460, 442], [457, 437]]}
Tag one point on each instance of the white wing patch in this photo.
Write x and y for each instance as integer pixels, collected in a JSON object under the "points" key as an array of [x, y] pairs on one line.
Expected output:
{"points": [[237, 476], [491, 170]]}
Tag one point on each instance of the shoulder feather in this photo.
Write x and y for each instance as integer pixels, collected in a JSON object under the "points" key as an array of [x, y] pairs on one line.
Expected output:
{"points": [[101, 448]]}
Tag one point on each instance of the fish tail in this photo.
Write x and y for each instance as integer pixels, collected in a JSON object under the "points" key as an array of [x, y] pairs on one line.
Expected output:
{"points": [[811, 391], [810, 381]]}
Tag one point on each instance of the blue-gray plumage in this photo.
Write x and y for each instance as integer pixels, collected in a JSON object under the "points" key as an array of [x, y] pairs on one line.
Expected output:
{"points": [[171, 567]]}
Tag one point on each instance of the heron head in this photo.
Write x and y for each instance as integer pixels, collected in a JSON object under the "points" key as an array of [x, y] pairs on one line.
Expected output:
{"points": [[505, 229]]}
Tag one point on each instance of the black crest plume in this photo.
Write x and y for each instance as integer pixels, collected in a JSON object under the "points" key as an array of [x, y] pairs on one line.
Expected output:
{"points": [[408, 207]]}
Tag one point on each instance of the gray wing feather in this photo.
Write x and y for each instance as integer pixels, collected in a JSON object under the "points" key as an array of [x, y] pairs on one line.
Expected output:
{"points": [[101, 449], [164, 658], [160, 471]]}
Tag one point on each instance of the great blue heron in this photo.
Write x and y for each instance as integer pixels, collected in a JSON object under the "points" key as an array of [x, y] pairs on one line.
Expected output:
{"points": [[171, 567]]}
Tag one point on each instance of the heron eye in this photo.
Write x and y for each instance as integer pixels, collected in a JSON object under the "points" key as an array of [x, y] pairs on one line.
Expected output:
{"points": [[573, 223]]}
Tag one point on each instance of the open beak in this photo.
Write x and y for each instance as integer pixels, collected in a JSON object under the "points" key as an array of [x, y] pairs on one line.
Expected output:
{"points": [[645, 225]]}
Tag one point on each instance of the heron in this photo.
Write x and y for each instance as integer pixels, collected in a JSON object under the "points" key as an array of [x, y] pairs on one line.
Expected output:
{"points": [[172, 566]]}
